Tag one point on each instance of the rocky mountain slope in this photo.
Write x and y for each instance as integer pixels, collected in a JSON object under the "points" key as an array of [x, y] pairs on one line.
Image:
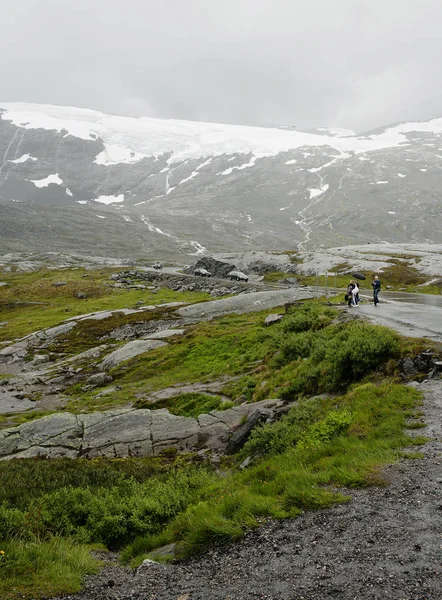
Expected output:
{"points": [[84, 181]]}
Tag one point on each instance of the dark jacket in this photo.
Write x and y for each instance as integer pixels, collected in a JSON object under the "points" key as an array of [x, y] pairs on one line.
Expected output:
{"points": [[376, 284]]}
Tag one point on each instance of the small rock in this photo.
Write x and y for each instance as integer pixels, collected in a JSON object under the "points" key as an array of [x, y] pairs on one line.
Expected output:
{"points": [[59, 283], [245, 462], [98, 379], [81, 295], [273, 318], [409, 367], [167, 550], [146, 564], [40, 359]]}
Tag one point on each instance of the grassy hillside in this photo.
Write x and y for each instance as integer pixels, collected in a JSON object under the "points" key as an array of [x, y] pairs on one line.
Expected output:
{"points": [[347, 415]]}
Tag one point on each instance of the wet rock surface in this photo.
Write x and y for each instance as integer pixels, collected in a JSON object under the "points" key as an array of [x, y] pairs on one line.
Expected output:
{"points": [[383, 545]]}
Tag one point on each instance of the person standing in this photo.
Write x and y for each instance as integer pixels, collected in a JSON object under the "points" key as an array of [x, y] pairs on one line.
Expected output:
{"points": [[355, 294], [376, 285], [349, 294]]}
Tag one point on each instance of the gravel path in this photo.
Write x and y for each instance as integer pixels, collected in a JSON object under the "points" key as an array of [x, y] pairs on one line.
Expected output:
{"points": [[385, 544]]}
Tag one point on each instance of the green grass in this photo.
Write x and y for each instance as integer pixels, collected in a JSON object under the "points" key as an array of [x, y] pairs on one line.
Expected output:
{"points": [[52, 511], [307, 353], [234, 345], [320, 446], [226, 346], [302, 473], [274, 276], [45, 569], [61, 303], [187, 405]]}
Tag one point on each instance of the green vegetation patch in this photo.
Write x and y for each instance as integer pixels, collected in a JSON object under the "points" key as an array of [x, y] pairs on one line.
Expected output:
{"points": [[226, 346], [305, 457], [298, 462], [32, 302], [89, 333], [308, 352], [274, 276], [51, 511], [187, 405], [44, 569], [402, 274], [322, 444]]}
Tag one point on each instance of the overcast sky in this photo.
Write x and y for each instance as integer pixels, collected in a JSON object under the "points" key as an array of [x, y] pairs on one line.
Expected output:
{"points": [[348, 63]]}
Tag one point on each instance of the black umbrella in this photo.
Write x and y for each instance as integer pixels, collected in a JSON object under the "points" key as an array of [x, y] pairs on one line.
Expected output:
{"points": [[358, 276]]}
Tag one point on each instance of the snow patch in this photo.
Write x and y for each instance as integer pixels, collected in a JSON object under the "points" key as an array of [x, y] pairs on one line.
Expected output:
{"points": [[284, 208], [100, 216], [391, 212], [23, 159], [423, 170], [110, 199], [198, 247], [251, 162], [337, 131], [378, 182], [152, 227], [401, 175], [314, 192], [40, 183], [128, 219], [191, 176], [68, 192], [83, 201], [129, 139], [291, 162], [113, 154], [208, 161]]}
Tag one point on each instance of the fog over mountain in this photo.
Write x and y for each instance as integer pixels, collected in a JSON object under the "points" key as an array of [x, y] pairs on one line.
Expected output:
{"points": [[80, 180], [308, 63]]}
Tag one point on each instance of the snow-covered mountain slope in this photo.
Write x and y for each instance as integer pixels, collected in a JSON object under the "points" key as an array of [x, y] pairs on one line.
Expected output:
{"points": [[82, 180]]}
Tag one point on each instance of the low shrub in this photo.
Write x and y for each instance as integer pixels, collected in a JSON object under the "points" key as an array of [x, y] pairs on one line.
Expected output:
{"points": [[331, 359]]}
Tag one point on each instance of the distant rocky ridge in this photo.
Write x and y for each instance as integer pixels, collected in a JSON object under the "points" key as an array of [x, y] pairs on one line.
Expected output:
{"points": [[82, 181]]}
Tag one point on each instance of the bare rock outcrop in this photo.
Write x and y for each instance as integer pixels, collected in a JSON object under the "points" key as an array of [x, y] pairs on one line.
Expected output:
{"points": [[126, 432]]}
